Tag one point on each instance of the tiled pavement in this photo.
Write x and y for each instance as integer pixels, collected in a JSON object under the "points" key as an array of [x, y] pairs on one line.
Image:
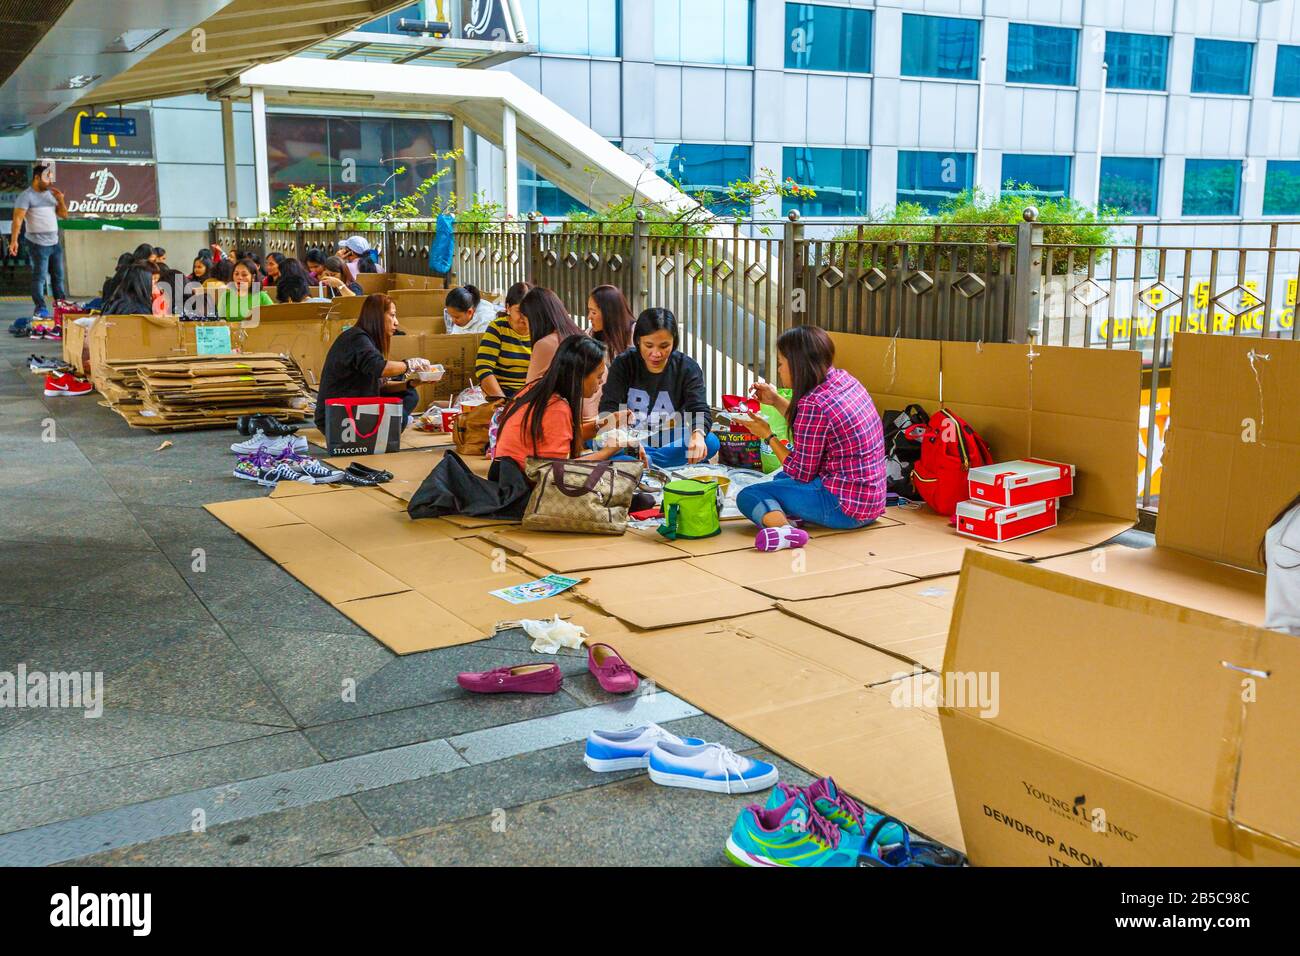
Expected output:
{"points": [[223, 689]]}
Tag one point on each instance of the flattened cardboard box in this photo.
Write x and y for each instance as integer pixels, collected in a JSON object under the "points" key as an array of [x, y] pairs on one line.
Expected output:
{"points": [[1123, 731], [825, 704]]}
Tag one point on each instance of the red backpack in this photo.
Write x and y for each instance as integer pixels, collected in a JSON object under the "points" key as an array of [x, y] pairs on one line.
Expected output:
{"points": [[949, 449]]}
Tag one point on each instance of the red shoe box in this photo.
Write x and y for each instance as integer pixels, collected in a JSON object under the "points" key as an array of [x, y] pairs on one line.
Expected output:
{"points": [[976, 519], [1011, 483]]}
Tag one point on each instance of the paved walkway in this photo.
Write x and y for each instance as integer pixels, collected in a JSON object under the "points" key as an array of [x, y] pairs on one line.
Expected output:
{"points": [[223, 689]]}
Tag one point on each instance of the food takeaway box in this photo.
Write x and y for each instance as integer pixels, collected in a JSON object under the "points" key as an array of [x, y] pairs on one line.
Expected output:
{"points": [[1018, 482], [994, 523]]}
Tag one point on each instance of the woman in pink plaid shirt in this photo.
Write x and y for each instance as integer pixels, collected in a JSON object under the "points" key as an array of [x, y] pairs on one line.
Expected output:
{"points": [[835, 474]]}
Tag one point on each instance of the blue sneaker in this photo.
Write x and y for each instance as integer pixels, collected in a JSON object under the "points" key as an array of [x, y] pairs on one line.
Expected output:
{"points": [[839, 808], [609, 750], [41, 313], [710, 767], [791, 834], [20, 327]]}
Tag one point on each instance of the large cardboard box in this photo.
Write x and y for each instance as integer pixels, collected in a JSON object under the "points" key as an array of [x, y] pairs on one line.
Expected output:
{"points": [[1145, 718], [1126, 730]]}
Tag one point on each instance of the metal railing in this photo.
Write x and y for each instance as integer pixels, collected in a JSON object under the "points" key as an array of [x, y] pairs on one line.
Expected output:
{"points": [[736, 288]]}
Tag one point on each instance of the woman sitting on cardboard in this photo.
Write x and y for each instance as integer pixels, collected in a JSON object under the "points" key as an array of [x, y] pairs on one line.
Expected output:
{"points": [[501, 365], [543, 421], [656, 386], [357, 364], [835, 476], [244, 294], [333, 281]]}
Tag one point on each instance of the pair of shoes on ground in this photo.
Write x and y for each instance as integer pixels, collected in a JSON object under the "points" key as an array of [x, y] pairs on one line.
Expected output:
{"points": [[268, 469], [66, 384], [270, 445], [819, 825], [51, 332], [249, 425], [610, 671], [39, 363], [674, 761]]}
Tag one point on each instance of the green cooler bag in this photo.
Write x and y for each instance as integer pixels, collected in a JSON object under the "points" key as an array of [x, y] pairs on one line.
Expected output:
{"points": [[690, 509]]}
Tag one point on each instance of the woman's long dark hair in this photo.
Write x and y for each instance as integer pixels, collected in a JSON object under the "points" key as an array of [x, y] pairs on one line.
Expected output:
{"points": [[294, 282], [546, 314], [134, 293], [223, 271], [577, 357], [374, 321], [616, 317], [809, 354]]}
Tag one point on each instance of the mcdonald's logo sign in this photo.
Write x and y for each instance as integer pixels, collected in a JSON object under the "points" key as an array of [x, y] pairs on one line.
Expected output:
{"points": [[67, 136], [94, 137]]}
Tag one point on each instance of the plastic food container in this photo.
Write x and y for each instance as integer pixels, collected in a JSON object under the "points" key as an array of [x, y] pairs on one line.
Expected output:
{"points": [[432, 374]]}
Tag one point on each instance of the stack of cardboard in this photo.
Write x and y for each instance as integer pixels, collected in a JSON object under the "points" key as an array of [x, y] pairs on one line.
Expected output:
{"points": [[183, 392]]}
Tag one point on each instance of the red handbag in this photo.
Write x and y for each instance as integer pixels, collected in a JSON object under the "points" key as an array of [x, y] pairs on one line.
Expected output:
{"points": [[950, 448]]}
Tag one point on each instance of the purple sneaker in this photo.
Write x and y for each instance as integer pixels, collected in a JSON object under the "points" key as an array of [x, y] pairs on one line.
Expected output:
{"points": [[777, 539]]}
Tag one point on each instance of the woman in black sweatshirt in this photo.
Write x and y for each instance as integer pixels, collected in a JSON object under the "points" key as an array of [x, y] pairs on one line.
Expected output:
{"points": [[654, 386]]}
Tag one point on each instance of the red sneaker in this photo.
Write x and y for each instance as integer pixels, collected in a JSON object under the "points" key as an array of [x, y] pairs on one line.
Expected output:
{"points": [[66, 384]]}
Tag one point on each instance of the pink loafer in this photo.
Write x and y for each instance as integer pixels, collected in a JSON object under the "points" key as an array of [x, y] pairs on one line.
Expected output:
{"points": [[524, 679], [610, 670]]}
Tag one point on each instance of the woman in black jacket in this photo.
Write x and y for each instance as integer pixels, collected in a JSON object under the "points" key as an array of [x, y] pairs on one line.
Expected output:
{"points": [[654, 386]]}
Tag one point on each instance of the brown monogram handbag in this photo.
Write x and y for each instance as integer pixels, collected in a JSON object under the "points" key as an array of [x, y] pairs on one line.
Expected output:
{"points": [[587, 497]]}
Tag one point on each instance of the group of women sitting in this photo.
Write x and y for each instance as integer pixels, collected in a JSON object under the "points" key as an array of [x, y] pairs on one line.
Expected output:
{"points": [[230, 287], [629, 379]]}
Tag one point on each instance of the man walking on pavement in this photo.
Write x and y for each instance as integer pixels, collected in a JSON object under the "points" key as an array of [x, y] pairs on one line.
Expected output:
{"points": [[41, 206]]}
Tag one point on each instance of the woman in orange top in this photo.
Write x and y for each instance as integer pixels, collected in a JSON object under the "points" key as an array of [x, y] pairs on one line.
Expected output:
{"points": [[545, 418]]}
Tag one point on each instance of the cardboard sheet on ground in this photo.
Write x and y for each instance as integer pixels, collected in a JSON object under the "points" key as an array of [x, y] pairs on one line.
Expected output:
{"points": [[249, 514], [803, 692], [909, 621], [674, 594], [578, 552], [807, 572], [409, 469], [1179, 723]]}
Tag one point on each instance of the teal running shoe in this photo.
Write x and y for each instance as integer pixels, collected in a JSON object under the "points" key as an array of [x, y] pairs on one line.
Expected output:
{"points": [[793, 834], [839, 808]]}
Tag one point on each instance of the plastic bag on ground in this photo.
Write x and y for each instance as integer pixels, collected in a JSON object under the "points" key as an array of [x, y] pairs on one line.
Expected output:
{"points": [[549, 636]]}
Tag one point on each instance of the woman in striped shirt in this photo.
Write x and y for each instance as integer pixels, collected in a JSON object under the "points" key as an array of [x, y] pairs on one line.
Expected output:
{"points": [[501, 368], [835, 474]]}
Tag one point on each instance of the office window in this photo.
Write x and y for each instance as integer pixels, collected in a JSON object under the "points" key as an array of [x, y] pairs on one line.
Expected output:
{"points": [[703, 31], [580, 27], [818, 37], [1041, 54], [1130, 184], [941, 46], [355, 156], [838, 175], [538, 194], [1221, 66], [929, 178], [702, 167], [1042, 177], [1282, 188], [1286, 76], [1212, 187], [388, 22], [1136, 61]]}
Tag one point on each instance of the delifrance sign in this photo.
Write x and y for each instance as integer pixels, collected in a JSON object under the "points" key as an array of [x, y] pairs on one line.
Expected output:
{"points": [[109, 190]]}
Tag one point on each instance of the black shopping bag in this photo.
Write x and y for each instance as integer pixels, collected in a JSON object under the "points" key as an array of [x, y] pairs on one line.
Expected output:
{"points": [[363, 426]]}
